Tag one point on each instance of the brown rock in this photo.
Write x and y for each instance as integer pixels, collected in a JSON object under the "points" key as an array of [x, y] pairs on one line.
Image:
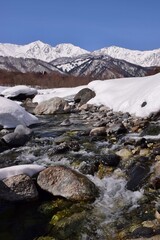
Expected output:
{"points": [[63, 181]]}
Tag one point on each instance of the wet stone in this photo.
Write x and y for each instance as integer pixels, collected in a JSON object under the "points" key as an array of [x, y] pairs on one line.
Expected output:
{"points": [[111, 160], [143, 232], [137, 175]]}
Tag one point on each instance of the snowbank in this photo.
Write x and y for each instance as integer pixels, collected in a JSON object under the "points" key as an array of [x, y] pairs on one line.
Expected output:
{"points": [[67, 93], [128, 94], [11, 114], [27, 169]]}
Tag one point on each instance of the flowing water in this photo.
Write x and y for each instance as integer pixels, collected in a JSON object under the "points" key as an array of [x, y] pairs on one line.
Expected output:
{"points": [[105, 216]]}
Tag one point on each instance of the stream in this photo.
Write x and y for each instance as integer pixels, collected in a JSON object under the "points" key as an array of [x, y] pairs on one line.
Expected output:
{"points": [[110, 216]]}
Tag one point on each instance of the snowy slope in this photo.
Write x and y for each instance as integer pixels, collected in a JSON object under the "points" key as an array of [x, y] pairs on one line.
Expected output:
{"points": [[128, 94], [142, 58], [101, 67], [40, 50]]}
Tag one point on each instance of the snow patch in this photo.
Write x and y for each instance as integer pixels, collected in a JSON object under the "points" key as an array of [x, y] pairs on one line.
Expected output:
{"points": [[11, 114]]}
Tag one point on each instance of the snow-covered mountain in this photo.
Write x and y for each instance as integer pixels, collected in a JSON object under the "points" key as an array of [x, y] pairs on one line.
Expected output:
{"points": [[47, 53], [142, 58], [40, 50]]}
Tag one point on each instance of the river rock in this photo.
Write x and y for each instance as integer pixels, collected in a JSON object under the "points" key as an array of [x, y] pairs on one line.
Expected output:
{"points": [[151, 129], [155, 178], [111, 160], [124, 153], [52, 106], [118, 128], [137, 175], [70, 184], [83, 96], [98, 131], [143, 232], [19, 137], [18, 188]]}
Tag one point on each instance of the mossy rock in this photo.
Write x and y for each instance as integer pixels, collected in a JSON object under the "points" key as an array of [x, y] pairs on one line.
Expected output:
{"points": [[51, 207], [68, 211], [68, 226], [67, 219]]}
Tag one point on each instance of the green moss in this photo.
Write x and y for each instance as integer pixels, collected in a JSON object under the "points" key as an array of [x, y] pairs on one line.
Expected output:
{"points": [[49, 208]]}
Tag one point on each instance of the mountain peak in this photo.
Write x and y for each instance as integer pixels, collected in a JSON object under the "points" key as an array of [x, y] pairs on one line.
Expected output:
{"points": [[142, 58]]}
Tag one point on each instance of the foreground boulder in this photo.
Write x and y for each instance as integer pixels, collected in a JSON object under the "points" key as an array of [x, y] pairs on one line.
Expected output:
{"points": [[70, 184], [52, 106], [19, 137], [83, 96], [18, 188]]}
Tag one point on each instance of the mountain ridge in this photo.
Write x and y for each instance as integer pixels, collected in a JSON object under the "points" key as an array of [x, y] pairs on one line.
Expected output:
{"points": [[47, 53]]}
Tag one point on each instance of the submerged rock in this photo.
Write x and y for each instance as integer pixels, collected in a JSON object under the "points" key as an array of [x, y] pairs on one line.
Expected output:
{"points": [[63, 181], [18, 188]]}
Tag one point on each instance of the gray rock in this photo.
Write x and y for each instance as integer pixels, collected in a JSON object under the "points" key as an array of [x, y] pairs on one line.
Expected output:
{"points": [[52, 106], [137, 175], [19, 137], [18, 188], [83, 96], [63, 181], [117, 129]]}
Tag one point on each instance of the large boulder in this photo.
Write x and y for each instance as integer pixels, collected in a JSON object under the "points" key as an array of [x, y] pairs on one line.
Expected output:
{"points": [[52, 106], [19, 137], [83, 96], [18, 188], [68, 183]]}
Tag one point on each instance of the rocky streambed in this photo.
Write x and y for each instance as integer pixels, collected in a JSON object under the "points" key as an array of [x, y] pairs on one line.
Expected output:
{"points": [[118, 153]]}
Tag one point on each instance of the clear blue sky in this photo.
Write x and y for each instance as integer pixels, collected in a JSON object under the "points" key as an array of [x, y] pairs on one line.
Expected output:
{"points": [[90, 24]]}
